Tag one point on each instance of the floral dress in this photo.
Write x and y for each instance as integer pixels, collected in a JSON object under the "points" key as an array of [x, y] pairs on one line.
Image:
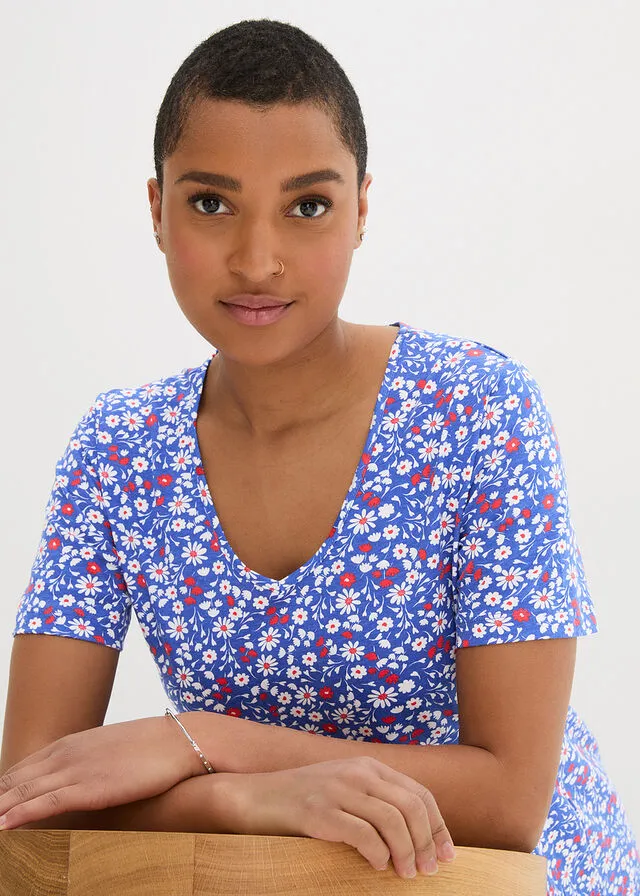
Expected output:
{"points": [[455, 531]]}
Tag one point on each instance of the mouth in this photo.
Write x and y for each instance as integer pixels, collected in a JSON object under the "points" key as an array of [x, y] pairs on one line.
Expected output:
{"points": [[256, 302], [256, 311]]}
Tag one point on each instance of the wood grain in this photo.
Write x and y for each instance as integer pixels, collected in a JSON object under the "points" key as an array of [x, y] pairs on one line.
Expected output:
{"points": [[131, 863], [34, 863]]}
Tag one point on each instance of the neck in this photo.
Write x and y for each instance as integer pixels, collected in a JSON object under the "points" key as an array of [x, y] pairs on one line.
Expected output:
{"points": [[274, 399]]}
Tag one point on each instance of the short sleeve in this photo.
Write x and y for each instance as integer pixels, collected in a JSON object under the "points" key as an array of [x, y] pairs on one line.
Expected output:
{"points": [[518, 571], [76, 588]]}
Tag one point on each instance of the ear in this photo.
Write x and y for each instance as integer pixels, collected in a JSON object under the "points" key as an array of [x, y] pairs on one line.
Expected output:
{"points": [[155, 201], [363, 208]]}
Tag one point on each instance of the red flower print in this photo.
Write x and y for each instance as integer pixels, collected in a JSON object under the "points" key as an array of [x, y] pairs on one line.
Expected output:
{"points": [[326, 693], [67, 509], [548, 501], [512, 445], [521, 615], [165, 479], [347, 579]]}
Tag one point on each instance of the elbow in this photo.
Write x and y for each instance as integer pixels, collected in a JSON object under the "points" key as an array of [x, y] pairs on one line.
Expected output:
{"points": [[523, 823], [524, 840]]}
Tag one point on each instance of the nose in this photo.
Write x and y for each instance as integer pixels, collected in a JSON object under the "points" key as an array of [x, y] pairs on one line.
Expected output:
{"points": [[254, 256]]}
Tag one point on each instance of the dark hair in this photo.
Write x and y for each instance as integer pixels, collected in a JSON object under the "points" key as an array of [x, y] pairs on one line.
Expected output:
{"points": [[261, 62]]}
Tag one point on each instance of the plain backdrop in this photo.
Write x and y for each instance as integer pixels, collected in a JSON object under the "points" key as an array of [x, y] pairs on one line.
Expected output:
{"points": [[504, 146]]}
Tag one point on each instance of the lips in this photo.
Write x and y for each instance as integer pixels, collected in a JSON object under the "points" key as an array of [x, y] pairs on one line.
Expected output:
{"points": [[253, 301]]}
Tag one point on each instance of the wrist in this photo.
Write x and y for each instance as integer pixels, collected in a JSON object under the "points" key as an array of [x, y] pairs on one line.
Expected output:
{"points": [[187, 757]]}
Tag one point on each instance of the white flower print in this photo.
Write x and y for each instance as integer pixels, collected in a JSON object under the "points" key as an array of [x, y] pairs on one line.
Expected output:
{"points": [[194, 553], [383, 696], [81, 628], [89, 585], [347, 601], [352, 651], [306, 695], [498, 622], [269, 640], [224, 627], [363, 522], [509, 578], [177, 628]]}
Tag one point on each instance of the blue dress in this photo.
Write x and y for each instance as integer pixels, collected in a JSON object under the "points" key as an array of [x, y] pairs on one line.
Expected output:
{"points": [[455, 531]]}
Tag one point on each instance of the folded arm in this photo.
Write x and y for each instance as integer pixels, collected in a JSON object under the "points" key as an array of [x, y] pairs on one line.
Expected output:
{"points": [[494, 788]]}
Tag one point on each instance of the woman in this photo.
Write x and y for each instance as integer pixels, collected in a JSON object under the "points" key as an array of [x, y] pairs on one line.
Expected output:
{"points": [[354, 531]]}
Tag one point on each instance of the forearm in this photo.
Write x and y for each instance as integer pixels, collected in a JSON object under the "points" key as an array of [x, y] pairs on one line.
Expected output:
{"points": [[471, 786], [203, 804]]}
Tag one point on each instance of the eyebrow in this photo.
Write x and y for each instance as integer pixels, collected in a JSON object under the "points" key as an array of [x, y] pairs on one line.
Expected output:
{"points": [[299, 182]]}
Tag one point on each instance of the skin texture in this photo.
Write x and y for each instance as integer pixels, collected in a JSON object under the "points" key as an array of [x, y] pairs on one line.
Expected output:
{"points": [[261, 393]]}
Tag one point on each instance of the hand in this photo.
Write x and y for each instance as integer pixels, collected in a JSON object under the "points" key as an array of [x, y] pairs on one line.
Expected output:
{"points": [[363, 802], [98, 768]]}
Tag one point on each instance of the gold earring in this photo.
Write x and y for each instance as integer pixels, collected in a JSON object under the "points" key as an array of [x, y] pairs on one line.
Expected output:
{"points": [[364, 230]]}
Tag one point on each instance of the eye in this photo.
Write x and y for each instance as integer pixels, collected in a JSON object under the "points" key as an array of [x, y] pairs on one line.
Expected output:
{"points": [[212, 206], [309, 207]]}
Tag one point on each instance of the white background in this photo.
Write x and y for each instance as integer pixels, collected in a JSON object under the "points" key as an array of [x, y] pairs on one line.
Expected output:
{"points": [[504, 145]]}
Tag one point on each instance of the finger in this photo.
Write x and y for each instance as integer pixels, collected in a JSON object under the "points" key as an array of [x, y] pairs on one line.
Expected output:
{"points": [[27, 783], [389, 821], [38, 756], [357, 832], [49, 803], [442, 838], [416, 819]]}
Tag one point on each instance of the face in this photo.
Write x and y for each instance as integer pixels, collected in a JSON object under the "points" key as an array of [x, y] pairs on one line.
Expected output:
{"points": [[245, 191]]}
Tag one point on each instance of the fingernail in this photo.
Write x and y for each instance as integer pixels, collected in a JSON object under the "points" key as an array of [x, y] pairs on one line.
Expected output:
{"points": [[448, 852], [431, 866], [3, 822], [410, 871]]}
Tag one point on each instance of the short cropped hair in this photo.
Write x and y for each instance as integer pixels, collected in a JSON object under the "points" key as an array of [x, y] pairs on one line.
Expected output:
{"points": [[261, 62]]}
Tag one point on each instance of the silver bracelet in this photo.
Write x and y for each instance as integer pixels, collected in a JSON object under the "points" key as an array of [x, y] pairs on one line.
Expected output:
{"points": [[195, 746]]}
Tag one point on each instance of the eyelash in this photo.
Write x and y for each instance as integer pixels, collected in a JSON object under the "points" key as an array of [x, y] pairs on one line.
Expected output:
{"points": [[321, 200]]}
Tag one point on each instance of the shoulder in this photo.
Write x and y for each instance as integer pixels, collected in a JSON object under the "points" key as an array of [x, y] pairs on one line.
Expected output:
{"points": [[458, 364], [134, 415]]}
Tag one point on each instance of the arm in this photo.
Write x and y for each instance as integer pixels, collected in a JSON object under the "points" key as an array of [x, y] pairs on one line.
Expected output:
{"points": [[200, 805], [58, 686], [493, 788], [375, 810]]}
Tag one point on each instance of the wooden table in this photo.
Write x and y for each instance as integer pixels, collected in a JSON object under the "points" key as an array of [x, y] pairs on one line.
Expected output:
{"points": [[131, 863]]}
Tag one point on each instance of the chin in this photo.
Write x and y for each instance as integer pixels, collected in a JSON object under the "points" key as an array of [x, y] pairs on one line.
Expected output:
{"points": [[270, 346]]}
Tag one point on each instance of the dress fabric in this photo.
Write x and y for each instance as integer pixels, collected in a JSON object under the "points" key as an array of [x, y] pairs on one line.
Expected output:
{"points": [[455, 531]]}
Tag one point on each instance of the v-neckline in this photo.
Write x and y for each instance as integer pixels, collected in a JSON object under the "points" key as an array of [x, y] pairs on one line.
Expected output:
{"points": [[207, 504]]}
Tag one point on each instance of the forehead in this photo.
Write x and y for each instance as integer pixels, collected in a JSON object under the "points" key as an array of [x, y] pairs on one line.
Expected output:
{"points": [[285, 137]]}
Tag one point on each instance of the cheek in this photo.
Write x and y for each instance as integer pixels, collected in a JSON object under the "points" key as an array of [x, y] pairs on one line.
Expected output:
{"points": [[197, 273], [323, 264], [189, 258]]}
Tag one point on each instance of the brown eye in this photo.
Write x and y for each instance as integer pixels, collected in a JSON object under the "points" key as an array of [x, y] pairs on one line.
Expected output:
{"points": [[309, 208], [211, 204]]}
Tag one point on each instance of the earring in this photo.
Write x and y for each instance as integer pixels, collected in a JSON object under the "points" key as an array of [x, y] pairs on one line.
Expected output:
{"points": [[281, 271], [364, 230], [157, 236]]}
